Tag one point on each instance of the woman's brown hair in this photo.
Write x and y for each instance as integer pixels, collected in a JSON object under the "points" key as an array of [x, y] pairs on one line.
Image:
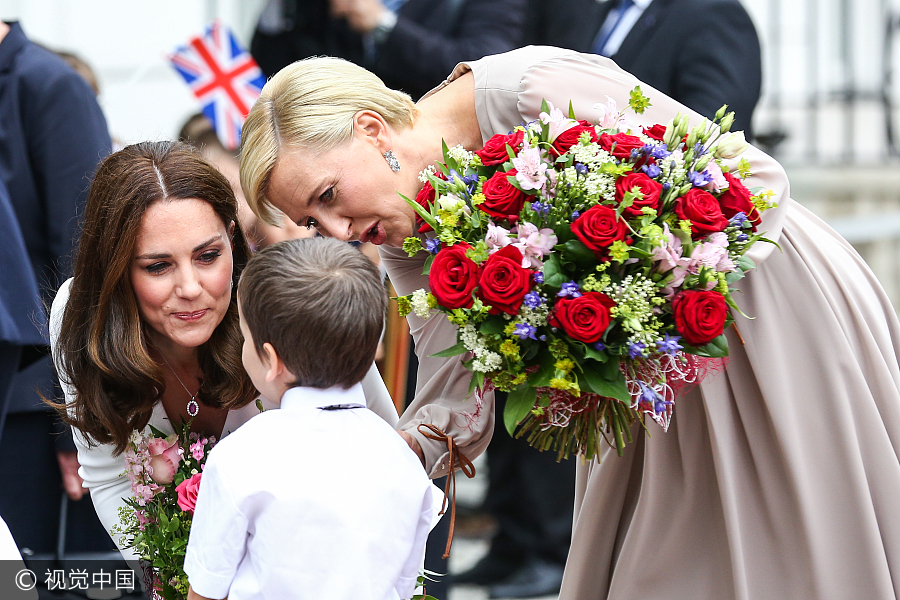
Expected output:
{"points": [[102, 346]]}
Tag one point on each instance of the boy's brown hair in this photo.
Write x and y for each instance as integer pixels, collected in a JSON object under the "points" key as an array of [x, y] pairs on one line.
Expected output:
{"points": [[320, 303]]}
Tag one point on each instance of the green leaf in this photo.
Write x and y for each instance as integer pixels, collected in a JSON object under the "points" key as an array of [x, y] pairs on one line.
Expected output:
{"points": [[745, 263], [572, 111], [454, 350], [734, 276], [717, 348], [174, 524], [542, 377], [615, 388], [492, 326], [553, 275], [577, 252], [426, 216], [591, 352], [518, 404], [426, 268]]}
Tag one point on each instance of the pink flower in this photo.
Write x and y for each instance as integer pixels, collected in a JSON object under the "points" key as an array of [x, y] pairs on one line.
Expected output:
{"points": [[718, 182], [669, 258], [557, 122], [165, 454], [197, 450], [713, 254], [187, 493], [531, 170], [534, 244], [609, 114], [497, 237]]}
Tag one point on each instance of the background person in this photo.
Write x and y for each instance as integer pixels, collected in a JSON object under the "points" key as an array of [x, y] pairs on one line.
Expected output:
{"points": [[52, 135], [747, 495], [702, 53]]}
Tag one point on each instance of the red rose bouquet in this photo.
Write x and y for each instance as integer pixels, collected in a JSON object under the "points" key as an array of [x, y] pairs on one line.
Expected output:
{"points": [[165, 473], [589, 268]]}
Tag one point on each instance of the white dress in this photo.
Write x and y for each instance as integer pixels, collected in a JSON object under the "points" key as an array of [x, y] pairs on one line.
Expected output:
{"points": [[779, 477], [104, 473]]}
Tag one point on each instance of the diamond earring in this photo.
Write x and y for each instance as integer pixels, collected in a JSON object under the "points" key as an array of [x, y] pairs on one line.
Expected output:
{"points": [[392, 160]]}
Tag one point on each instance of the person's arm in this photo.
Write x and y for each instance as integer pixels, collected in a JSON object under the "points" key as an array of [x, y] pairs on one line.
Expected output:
{"points": [[192, 595], [100, 471], [442, 384], [718, 62], [67, 137], [417, 54], [218, 538]]}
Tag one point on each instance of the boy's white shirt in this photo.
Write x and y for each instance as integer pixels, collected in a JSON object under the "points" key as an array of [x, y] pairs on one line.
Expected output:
{"points": [[309, 503]]}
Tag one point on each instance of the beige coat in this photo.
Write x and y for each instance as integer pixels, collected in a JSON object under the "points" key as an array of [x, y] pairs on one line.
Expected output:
{"points": [[779, 477]]}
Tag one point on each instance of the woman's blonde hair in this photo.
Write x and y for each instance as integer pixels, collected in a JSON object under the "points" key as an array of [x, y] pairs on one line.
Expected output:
{"points": [[310, 104]]}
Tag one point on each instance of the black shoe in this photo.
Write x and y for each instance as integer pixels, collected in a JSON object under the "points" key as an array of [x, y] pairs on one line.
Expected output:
{"points": [[490, 569], [536, 577]]}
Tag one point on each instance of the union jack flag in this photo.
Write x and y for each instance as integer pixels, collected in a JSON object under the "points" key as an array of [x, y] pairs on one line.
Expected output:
{"points": [[223, 76]]}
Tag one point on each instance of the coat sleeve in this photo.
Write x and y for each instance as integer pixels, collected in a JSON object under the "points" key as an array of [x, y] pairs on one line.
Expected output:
{"points": [[415, 52], [67, 137]]}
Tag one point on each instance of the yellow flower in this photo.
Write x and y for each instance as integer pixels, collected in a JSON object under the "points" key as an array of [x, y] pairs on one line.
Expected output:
{"points": [[478, 199], [565, 364], [618, 251]]}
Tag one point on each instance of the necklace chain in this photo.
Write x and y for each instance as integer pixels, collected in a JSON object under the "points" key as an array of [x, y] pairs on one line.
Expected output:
{"points": [[193, 407]]}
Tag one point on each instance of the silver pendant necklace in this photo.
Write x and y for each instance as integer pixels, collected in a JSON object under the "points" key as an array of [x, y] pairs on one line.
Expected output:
{"points": [[193, 407]]}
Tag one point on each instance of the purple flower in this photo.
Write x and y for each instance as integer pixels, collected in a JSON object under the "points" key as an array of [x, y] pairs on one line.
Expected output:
{"points": [[581, 169], [533, 300], [699, 179], [738, 219], [659, 151], [637, 349], [538, 277], [699, 149], [666, 186], [600, 346], [570, 290], [648, 394], [742, 237], [652, 171], [525, 331], [660, 405], [543, 338], [575, 214], [669, 345], [540, 208], [433, 245]]}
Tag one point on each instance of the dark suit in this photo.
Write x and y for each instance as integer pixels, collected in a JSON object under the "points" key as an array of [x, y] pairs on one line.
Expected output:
{"points": [[703, 53], [52, 136], [429, 39]]}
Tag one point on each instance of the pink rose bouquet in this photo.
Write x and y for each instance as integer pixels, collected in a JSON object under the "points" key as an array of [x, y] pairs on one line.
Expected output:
{"points": [[165, 473], [589, 267]]}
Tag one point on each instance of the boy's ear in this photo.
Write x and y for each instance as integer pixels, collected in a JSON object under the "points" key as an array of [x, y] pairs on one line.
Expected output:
{"points": [[275, 366]]}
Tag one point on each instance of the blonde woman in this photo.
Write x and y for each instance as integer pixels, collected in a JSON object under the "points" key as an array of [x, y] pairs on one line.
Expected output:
{"points": [[779, 477]]}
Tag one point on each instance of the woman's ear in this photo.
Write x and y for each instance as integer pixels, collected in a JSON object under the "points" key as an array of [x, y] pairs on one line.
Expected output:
{"points": [[372, 127]]}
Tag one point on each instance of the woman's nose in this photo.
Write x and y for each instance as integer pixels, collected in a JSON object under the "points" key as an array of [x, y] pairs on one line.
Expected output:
{"points": [[188, 285], [340, 228]]}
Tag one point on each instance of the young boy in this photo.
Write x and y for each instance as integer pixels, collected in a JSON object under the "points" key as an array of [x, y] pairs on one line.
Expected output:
{"points": [[322, 498]]}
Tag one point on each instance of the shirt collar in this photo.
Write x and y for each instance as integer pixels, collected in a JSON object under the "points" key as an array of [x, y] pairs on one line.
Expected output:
{"points": [[307, 397]]}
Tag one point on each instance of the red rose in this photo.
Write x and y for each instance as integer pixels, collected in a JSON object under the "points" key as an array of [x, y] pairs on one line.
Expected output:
{"points": [[703, 211], [651, 190], [699, 315], [569, 137], [503, 282], [425, 198], [737, 199], [598, 228], [453, 276], [494, 151], [501, 198], [621, 144], [584, 318], [656, 132]]}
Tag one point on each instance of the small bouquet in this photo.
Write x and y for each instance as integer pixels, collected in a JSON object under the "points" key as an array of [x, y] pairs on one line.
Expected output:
{"points": [[165, 473], [588, 267]]}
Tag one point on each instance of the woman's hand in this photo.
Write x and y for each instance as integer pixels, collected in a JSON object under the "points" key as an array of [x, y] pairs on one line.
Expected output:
{"points": [[413, 444], [71, 480]]}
